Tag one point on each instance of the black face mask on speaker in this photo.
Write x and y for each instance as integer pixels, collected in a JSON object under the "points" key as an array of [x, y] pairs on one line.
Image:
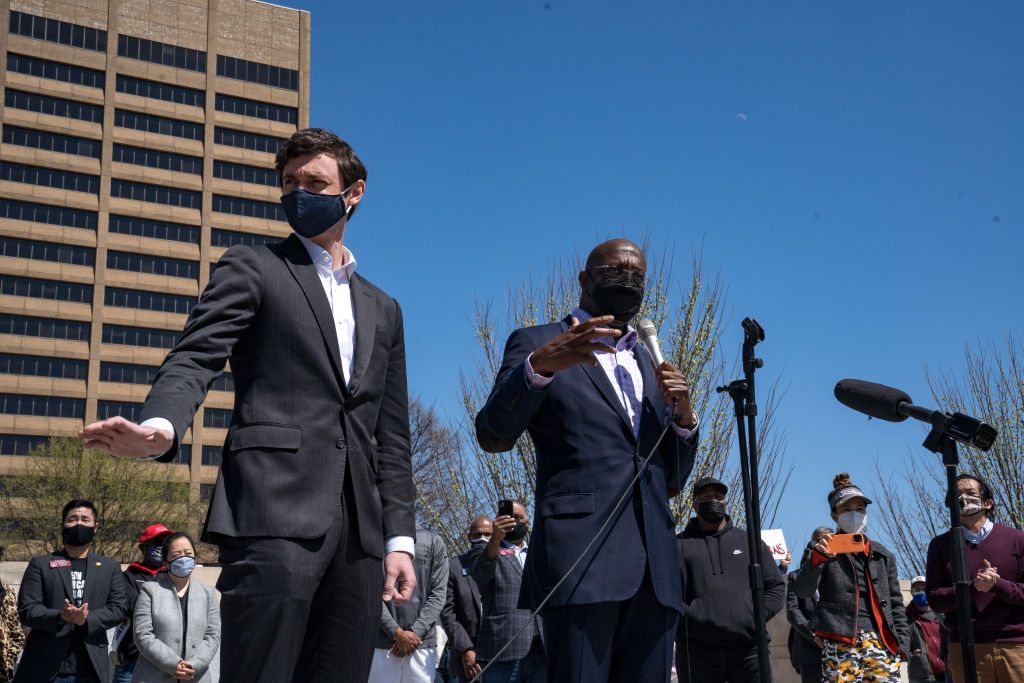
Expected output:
{"points": [[616, 295]]}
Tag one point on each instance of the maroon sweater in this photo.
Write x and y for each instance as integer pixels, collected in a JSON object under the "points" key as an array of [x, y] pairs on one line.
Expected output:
{"points": [[998, 614]]}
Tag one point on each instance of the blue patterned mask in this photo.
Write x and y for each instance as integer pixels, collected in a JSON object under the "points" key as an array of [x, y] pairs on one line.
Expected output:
{"points": [[154, 555], [921, 600], [311, 214]]}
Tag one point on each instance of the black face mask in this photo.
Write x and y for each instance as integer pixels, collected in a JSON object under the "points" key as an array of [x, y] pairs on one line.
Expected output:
{"points": [[77, 535], [518, 533], [617, 296], [711, 511]]}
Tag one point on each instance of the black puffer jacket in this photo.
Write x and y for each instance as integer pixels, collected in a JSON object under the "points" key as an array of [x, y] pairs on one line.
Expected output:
{"points": [[716, 589], [837, 582]]}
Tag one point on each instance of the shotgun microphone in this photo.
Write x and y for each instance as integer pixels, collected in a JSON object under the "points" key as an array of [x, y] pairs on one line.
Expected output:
{"points": [[894, 405]]}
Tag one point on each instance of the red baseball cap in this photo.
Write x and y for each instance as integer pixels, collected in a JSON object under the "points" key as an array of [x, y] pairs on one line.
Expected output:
{"points": [[152, 531]]}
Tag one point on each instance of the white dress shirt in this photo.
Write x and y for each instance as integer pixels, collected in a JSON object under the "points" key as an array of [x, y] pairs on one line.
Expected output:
{"points": [[335, 282], [623, 372]]}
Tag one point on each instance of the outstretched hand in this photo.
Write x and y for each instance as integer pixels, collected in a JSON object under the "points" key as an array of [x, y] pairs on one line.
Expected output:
{"points": [[574, 346], [125, 439]]}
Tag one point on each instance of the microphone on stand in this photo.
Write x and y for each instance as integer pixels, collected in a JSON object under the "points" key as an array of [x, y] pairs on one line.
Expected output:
{"points": [[893, 405]]}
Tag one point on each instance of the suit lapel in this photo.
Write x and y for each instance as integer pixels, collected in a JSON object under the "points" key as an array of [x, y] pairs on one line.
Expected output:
{"points": [[65, 574], [364, 309], [305, 274], [93, 567]]}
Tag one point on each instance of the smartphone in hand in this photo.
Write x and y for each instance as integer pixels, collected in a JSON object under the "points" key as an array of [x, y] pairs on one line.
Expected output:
{"points": [[846, 543], [505, 508]]}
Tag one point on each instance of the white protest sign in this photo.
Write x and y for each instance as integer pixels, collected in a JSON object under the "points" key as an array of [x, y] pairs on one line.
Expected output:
{"points": [[776, 542]]}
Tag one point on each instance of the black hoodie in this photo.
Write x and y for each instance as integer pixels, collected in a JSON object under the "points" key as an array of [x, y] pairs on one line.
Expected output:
{"points": [[716, 590]]}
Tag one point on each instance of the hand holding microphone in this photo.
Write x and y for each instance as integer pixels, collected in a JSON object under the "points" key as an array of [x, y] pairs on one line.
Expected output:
{"points": [[671, 380]]}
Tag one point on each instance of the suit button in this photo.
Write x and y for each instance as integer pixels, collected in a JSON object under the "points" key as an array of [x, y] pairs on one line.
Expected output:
{"points": [[874, 579], [340, 443], [883, 603]]}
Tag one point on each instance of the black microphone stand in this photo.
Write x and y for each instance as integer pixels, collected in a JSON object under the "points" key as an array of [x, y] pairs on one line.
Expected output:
{"points": [[742, 393], [939, 441]]}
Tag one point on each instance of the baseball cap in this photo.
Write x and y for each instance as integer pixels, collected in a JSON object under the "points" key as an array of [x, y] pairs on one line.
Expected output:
{"points": [[152, 531], [839, 496], [917, 579], [709, 481]]}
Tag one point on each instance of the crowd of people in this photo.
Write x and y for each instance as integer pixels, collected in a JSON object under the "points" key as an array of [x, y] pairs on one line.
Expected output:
{"points": [[89, 622]]}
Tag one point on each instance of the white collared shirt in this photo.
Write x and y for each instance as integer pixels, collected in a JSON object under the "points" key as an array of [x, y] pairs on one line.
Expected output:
{"points": [[977, 538], [335, 282], [519, 552]]}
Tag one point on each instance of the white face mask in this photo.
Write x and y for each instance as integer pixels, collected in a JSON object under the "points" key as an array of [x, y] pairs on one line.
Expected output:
{"points": [[853, 521]]}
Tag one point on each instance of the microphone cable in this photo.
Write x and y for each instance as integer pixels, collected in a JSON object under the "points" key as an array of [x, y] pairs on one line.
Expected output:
{"points": [[611, 515]]}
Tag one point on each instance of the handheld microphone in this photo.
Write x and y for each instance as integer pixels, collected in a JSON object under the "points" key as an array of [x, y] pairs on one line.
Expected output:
{"points": [[649, 336], [894, 405]]}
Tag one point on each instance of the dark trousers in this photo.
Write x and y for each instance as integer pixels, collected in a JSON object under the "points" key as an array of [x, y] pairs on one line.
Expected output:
{"points": [[810, 673], [300, 610], [611, 641], [701, 662]]}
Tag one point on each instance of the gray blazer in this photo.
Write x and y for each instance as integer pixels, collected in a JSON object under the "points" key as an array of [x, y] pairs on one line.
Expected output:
{"points": [[499, 582], [157, 628]]}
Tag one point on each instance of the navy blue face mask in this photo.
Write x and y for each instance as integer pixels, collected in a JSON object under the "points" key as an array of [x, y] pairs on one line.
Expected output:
{"points": [[311, 214]]}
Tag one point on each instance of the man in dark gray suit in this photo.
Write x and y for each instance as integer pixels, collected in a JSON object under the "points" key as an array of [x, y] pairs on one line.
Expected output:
{"points": [[69, 598], [463, 608], [315, 489], [498, 571]]}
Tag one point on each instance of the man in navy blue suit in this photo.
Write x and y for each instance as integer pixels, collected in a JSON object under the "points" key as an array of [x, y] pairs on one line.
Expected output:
{"points": [[594, 405]]}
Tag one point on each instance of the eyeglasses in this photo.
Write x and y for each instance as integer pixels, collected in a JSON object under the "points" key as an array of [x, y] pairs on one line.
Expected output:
{"points": [[633, 276]]}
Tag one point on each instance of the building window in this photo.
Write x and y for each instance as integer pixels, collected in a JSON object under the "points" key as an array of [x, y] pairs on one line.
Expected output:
{"points": [[212, 455], [184, 454], [124, 373], [13, 285], [253, 141], [217, 418], [145, 192], [161, 53], [56, 71], [223, 382], [256, 109], [42, 406], [129, 410], [149, 301], [35, 175], [42, 366], [19, 444], [54, 106], [230, 238], [52, 142], [161, 91], [155, 265], [255, 72], [271, 211], [46, 328], [158, 124], [52, 215], [161, 230], [245, 174], [47, 251], [55, 31], [139, 336], [156, 159]]}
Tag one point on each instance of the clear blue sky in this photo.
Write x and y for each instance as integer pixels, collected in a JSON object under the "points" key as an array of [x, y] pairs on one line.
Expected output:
{"points": [[853, 170]]}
